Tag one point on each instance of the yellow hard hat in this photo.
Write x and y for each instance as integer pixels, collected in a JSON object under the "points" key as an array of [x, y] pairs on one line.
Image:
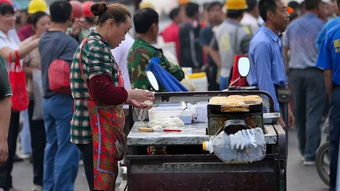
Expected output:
{"points": [[182, 2], [236, 5], [37, 5], [146, 4]]}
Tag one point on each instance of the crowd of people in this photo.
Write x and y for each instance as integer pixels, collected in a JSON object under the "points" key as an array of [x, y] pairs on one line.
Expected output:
{"points": [[292, 48]]}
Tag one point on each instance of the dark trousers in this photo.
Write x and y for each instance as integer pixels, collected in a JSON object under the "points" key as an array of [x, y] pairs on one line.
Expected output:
{"points": [[211, 71], [38, 141], [334, 125], [87, 153], [309, 97], [6, 169]]}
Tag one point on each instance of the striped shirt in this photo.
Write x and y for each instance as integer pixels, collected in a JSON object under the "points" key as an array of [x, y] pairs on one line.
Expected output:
{"points": [[96, 60]]}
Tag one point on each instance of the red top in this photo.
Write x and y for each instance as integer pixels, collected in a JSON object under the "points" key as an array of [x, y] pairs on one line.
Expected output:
{"points": [[171, 34], [105, 92], [25, 32]]}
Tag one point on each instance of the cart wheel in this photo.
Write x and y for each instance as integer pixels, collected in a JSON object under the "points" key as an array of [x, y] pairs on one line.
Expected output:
{"points": [[322, 162]]}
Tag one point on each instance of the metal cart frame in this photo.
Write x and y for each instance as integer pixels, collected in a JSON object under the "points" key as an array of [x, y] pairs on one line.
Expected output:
{"points": [[201, 170]]}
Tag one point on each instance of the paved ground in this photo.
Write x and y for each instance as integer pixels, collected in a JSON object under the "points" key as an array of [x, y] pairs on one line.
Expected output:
{"points": [[299, 177]]}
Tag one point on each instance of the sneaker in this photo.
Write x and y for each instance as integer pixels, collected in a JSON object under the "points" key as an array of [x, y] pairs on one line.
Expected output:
{"points": [[37, 188], [308, 163], [302, 158], [16, 158]]}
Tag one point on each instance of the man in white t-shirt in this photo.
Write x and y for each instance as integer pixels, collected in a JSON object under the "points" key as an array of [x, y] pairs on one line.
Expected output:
{"points": [[252, 17], [121, 54]]}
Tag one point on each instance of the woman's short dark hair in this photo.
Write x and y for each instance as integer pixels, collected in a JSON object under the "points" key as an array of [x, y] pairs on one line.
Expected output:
{"points": [[33, 19], [174, 13], [191, 9], [144, 19], [60, 11], [118, 12], [5, 8], [265, 6]]}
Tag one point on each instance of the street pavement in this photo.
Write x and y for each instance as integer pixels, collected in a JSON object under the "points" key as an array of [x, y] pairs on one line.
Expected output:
{"points": [[299, 177]]}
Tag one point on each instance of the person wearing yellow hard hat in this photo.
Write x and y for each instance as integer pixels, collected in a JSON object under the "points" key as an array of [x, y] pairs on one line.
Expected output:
{"points": [[26, 30], [146, 4], [37, 5], [231, 38]]}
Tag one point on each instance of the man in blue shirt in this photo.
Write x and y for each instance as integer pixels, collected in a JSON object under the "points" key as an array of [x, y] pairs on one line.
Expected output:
{"points": [[265, 52], [305, 79], [329, 60], [329, 25], [61, 157]]}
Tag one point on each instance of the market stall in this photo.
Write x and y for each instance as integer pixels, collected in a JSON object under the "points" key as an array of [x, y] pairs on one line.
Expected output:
{"points": [[186, 166]]}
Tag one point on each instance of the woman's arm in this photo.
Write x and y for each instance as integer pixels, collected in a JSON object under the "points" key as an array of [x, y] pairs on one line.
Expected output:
{"points": [[105, 92], [5, 110], [24, 49]]}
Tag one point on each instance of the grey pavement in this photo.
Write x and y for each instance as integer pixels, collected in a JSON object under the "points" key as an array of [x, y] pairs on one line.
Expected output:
{"points": [[299, 177]]}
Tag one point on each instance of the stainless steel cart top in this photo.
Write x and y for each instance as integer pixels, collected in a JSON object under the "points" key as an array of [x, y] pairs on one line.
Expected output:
{"points": [[190, 135]]}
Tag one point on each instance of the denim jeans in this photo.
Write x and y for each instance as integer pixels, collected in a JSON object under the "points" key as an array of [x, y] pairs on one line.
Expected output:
{"points": [[334, 125], [61, 156], [309, 97], [224, 83]]}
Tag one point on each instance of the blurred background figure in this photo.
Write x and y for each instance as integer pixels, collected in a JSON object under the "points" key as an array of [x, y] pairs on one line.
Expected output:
{"points": [[191, 54], [251, 17], [10, 49], [88, 20], [215, 17], [34, 6], [171, 32], [330, 24], [61, 157], [294, 9], [40, 22], [305, 79], [121, 54], [231, 38]]}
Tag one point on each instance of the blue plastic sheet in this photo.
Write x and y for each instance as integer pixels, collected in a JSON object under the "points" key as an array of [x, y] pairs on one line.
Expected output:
{"points": [[164, 78]]}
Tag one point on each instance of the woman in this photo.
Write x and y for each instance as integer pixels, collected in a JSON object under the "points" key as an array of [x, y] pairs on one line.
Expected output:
{"points": [[10, 50], [97, 81], [40, 22]]}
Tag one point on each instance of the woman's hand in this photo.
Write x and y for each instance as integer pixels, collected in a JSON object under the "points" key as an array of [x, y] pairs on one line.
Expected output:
{"points": [[138, 98]]}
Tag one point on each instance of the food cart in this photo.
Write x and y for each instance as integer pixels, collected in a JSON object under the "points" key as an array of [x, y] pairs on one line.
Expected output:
{"points": [[187, 167]]}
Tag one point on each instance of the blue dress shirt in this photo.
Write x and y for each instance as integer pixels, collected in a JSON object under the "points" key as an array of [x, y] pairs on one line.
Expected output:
{"points": [[267, 68], [329, 55]]}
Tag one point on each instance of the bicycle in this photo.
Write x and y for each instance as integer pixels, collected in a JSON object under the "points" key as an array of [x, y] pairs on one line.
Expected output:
{"points": [[322, 160]]}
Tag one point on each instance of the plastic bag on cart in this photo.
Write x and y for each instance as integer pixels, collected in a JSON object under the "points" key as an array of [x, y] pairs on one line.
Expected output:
{"points": [[242, 147], [164, 78]]}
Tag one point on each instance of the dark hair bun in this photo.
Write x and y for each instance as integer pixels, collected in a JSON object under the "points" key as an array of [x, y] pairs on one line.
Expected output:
{"points": [[98, 9]]}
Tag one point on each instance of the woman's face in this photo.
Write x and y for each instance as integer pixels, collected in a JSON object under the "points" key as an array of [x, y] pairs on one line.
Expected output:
{"points": [[7, 22], [118, 32], [42, 25]]}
